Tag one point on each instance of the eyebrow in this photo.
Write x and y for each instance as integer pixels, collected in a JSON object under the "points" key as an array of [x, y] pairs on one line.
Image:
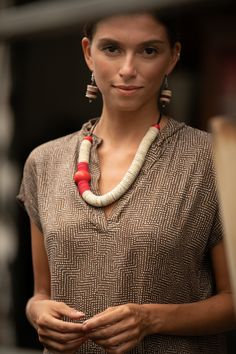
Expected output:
{"points": [[149, 42]]}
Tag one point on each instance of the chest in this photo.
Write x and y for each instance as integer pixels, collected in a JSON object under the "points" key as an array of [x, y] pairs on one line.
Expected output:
{"points": [[168, 206], [163, 209], [113, 167]]}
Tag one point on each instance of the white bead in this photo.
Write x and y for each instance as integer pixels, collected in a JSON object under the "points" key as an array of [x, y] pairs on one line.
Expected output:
{"points": [[130, 176], [84, 153]]}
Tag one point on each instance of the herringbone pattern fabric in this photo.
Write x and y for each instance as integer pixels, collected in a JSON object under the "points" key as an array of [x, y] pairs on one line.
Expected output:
{"points": [[154, 247]]}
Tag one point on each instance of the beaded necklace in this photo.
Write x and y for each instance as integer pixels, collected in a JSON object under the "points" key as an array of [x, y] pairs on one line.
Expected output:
{"points": [[82, 176]]}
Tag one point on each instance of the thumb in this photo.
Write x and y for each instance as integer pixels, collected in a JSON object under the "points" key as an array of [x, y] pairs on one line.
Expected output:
{"points": [[70, 312]]}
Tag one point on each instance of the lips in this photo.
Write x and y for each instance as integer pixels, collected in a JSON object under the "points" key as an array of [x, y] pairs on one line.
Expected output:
{"points": [[127, 88]]}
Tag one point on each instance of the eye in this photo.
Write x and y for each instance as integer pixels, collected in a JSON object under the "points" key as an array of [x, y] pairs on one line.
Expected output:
{"points": [[111, 49], [150, 51]]}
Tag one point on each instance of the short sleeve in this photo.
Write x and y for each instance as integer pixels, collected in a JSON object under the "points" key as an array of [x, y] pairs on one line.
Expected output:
{"points": [[28, 194]]}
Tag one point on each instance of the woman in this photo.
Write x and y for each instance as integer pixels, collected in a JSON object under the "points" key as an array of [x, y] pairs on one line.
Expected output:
{"points": [[141, 269]]}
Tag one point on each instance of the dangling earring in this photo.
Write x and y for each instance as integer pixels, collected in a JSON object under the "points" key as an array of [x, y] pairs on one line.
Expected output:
{"points": [[165, 95], [92, 90]]}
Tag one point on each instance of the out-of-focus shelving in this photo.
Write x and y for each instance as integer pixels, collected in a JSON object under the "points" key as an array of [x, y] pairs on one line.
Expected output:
{"points": [[50, 16]]}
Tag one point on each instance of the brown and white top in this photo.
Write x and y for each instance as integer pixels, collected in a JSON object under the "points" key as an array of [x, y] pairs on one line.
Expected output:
{"points": [[154, 246]]}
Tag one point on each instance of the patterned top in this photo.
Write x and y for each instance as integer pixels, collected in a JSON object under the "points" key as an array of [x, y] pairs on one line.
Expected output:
{"points": [[153, 248]]}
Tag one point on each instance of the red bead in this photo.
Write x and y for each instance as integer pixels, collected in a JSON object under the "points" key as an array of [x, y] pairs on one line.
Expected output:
{"points": [[83, 186], [82, 175], [83, 166], [156, 126], [88, 137]]}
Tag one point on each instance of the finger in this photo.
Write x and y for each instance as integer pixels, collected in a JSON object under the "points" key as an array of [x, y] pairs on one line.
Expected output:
{"points": [[54, 348], [124, 348], [67, 348], [58, 336], [63, 309], [105, 318], [110, 331], [58, 325], [118, 340]]}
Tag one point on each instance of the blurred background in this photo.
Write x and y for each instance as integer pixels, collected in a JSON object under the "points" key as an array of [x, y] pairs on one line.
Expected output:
{"points": [[43, 80]]}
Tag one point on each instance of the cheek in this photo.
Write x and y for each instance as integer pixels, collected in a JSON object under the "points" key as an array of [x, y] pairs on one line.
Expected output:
{"points": [[154, 76], [159, 67], [103, 73], [159, 70]]}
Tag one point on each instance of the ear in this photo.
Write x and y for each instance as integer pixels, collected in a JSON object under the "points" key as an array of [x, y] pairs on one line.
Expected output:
{"points": [[86, 46], [175, 56]]}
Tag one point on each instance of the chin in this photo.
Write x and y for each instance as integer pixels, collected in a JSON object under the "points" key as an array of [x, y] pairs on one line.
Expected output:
{"points": [[128, 108], [128, 105]]}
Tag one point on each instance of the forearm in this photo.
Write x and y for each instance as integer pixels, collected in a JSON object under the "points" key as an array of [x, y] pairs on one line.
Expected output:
{"points": [[210, 316]]}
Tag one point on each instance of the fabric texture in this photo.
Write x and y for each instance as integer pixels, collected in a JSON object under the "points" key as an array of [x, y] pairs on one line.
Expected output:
{"points": [[153, 248]]}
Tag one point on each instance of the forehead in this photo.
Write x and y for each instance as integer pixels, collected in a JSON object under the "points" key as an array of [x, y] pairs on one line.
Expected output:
{"points": [[140, 27]]}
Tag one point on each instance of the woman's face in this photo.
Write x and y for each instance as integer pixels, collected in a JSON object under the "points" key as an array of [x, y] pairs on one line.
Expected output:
{"points": [[129, 56]]}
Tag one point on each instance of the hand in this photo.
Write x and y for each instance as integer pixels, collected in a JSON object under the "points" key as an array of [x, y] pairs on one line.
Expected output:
{"points": [[117, 329], [54, 333]]}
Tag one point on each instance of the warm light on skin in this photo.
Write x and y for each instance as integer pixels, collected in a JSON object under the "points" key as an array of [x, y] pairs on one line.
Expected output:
{"points": [[130, 55]]}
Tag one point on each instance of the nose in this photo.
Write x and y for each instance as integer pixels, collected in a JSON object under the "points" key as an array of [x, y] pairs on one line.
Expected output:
{"points": [[128, 69]]}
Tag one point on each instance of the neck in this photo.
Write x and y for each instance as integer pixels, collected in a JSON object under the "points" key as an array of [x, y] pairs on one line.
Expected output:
{"points": [[126, 127]]}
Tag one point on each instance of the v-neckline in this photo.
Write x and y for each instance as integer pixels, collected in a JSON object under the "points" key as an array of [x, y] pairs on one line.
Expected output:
{"points": [[118, 205], [113, 216]]}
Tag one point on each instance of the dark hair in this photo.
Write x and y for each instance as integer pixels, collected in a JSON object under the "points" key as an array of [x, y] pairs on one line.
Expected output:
{"points": [[172, 27], [170, 23]]}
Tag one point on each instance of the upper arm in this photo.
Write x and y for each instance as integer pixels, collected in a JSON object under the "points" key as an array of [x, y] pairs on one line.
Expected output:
{"points": [[40, 262], [219, 263]]}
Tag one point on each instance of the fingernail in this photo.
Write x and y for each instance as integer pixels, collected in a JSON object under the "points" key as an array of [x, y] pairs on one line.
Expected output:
{"points": [[80, 313]]}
